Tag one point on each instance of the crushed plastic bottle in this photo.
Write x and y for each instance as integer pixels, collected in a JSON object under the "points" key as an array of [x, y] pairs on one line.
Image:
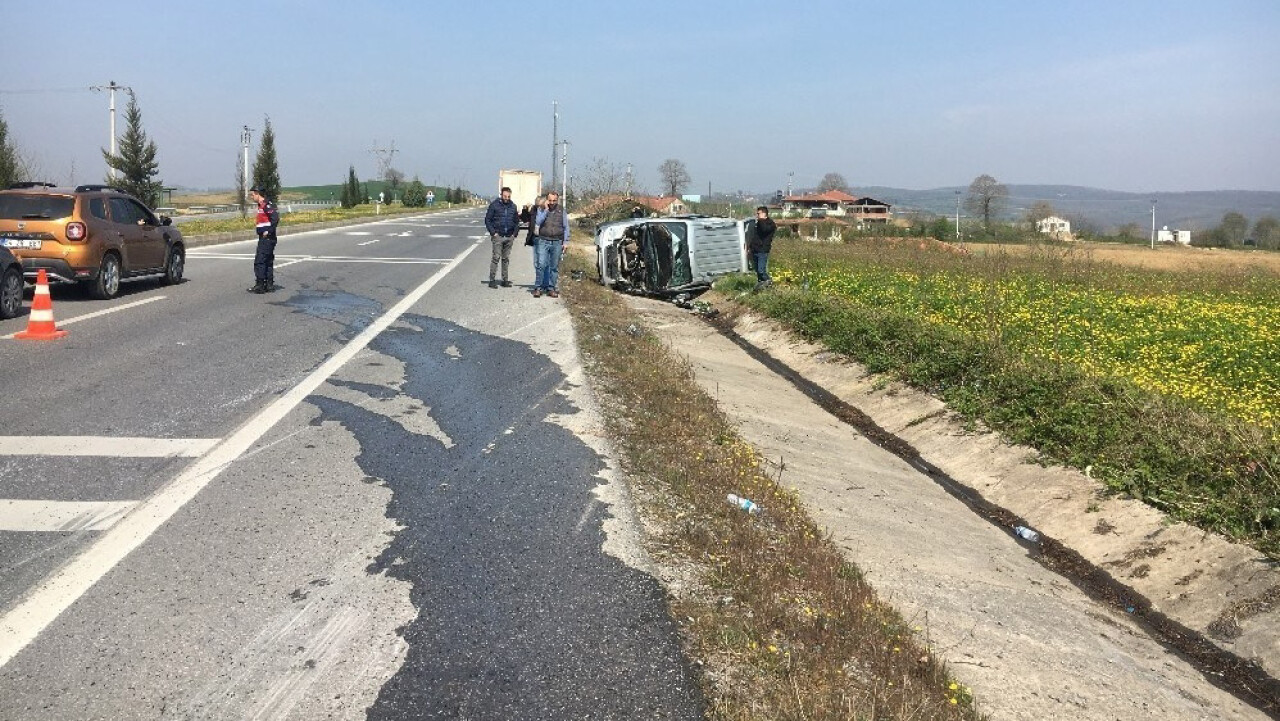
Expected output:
{"points": [[745, 504], [1026, 534]]}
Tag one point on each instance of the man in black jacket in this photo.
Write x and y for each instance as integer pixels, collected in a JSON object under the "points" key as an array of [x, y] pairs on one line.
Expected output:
{"points": [[502, 220], [759, 244]]}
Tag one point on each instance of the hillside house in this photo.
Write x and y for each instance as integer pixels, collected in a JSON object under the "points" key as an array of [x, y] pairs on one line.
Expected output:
{"points": [[1181, 237], [836, 204]]}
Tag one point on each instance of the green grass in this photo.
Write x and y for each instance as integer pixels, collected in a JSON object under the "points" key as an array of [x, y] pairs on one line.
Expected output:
{"points": [[1078, 360]]}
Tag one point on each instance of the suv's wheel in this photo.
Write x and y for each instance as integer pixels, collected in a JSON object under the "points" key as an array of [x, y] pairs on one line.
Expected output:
{"points": [[174, 260], [107, 284], [11, 293]]}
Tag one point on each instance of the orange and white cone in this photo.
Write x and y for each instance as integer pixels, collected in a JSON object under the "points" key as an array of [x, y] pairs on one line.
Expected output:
{"points": [[40, 325]]}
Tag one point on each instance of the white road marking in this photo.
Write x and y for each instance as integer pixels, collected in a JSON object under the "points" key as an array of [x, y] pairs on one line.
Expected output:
{"points": [[105, 446], [370, 242], [61, 516], [96, 313], [357, 232], [43, 604], [291, 259]]}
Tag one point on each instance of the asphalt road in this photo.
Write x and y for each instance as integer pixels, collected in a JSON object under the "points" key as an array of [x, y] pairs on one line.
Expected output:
{"points": [[377, 493]]}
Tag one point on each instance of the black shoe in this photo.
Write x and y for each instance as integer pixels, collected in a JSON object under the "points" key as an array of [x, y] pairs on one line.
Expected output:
{"points": [[493, 284], [260, 288], [505, 284]]}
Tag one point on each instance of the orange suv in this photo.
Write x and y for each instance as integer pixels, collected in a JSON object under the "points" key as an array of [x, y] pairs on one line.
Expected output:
{"points": [[94, 235]]}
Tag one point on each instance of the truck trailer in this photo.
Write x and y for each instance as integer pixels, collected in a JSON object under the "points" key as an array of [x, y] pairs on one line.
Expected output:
{"points": [[526, 185]]}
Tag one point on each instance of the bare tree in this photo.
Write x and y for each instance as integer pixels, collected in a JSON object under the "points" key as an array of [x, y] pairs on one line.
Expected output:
{"points": [[674, 176], [833, 181], [1039, 211], [602, 177], [393, 178], [986, 198]]}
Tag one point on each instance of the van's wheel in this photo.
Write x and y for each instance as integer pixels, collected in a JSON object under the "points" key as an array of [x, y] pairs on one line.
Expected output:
{"points": [[107, 284], [174, 261], [11, 293]]}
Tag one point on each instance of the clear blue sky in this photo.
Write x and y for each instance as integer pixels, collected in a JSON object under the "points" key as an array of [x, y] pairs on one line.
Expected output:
{"points": [[1124, 94]]}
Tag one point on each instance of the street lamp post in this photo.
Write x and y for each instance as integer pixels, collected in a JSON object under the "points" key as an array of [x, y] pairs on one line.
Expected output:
{"points": [[1153, 224], [957, 216]]}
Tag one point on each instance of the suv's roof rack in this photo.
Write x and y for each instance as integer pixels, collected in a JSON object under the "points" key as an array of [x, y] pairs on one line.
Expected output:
{"points": [[92, 187], [30, 184]]}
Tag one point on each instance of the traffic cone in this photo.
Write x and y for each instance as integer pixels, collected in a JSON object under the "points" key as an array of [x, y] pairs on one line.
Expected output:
{"points": [[40, 325]]}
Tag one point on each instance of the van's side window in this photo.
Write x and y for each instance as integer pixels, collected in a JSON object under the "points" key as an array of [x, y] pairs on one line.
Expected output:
{"points": [[98, 208]]}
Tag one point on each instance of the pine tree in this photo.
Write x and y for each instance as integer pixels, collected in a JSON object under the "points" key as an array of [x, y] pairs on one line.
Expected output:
{"points": [[344, 199], [136, 162], [266, 171], [10, 167]]}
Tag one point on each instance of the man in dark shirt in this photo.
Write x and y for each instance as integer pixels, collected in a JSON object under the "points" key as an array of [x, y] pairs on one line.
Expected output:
{"points": [[759, 244], [502, 220]]}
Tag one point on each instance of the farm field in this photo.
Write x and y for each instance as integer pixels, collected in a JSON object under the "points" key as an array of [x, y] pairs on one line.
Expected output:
{"points": [[1163, 382]]}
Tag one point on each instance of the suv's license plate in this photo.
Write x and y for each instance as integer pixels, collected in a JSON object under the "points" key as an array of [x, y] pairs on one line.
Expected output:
{"points": [[26, 243]]}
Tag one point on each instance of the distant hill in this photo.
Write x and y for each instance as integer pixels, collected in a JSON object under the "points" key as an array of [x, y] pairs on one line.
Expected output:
{"points": [[1106, 210]]}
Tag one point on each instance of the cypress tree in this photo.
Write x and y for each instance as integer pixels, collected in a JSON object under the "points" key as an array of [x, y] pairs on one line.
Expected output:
{"points": [[266, 171], [10, 167], [353, 187], [136, 162]]}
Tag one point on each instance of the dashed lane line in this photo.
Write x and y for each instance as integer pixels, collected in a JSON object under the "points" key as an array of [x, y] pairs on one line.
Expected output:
{"points": [[105, 446], [97, 313], [61, 516]]}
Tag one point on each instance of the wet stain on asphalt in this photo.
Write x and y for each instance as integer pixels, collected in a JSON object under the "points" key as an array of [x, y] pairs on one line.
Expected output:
{"points": [[520, 612], [354, 313]]}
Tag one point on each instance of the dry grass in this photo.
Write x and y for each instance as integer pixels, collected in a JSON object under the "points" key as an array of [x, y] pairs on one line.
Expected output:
{"points": [[1164, 257], [783, 625]]}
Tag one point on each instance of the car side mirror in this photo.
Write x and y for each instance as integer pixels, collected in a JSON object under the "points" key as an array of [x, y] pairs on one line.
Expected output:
{"points": [[166, 220]]}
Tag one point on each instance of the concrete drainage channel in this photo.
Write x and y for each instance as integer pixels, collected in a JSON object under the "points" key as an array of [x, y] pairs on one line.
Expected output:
{"points": [[1244, 679]]}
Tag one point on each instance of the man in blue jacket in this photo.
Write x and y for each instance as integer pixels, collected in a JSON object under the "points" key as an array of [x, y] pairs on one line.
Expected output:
{"points": [[502, 220], [552, 236]]}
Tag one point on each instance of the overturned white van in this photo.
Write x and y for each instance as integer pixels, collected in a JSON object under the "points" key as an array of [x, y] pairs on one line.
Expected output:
{"points": [[669, 256]]}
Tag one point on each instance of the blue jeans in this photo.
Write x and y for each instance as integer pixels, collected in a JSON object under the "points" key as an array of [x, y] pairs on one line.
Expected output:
{"points": [[760, 264], [548, 265]]}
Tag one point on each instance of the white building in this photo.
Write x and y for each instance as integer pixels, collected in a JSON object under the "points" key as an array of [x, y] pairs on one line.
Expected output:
{"points": [[1182, 237], [1053, 225]]}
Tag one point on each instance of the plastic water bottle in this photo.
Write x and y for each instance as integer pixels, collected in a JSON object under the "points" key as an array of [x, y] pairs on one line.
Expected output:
{"points": [[1026, 534], [745, 504]]}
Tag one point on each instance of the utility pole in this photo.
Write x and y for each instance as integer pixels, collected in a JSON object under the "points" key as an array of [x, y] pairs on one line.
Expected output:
{"points": [[112, 87], [385, 157], [245, 136], [564, 174], [957, 215], [555, 140], [1153, 224], [628, 181]]}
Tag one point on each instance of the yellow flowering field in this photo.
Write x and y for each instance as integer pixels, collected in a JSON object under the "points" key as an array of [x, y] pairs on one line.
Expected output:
{"points": [[1217, 348]]}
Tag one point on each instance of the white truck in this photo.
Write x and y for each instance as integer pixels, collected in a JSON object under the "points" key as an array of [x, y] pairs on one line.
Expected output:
{"points": [[526, 185]]}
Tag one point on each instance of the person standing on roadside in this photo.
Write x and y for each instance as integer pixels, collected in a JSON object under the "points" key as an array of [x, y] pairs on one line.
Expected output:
{"points": [[264, 260], [552, 237], [502, 220], [759, 244]]}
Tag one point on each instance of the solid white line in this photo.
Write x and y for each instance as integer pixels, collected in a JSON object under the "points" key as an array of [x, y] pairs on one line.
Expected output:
{"points": [[105, 446], [286, 264], [97, 313], [55, 594], [64, 516]]}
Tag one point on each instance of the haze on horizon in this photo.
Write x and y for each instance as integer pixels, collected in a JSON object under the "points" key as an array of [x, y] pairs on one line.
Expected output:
{"points": [[1124, 96]]}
